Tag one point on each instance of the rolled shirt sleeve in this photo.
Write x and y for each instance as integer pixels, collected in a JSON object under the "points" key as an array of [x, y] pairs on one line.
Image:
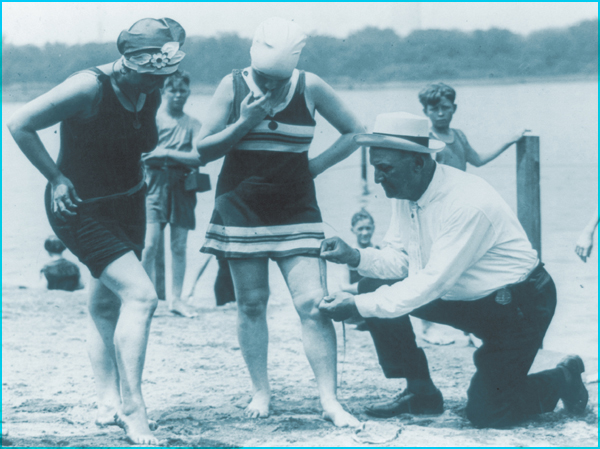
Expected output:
{"points": [[464, 237], [389, 262]]}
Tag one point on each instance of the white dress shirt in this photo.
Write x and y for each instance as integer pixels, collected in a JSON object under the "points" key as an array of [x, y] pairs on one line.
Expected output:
{"points": [[459, 242]]}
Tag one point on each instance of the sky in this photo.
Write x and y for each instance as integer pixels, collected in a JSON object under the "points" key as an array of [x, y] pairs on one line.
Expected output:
{"points": [[80, 22]]}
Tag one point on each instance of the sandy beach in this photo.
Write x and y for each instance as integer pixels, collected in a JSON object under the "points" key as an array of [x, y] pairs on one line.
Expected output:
{"points": [[195, 382], [196, 385]]}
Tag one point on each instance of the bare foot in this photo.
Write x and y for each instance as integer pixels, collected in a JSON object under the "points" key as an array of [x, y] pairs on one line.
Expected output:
{"points": [[136, 427], [435, 336], [259, 405], [335, 413], [106, 416], [178, 307]]}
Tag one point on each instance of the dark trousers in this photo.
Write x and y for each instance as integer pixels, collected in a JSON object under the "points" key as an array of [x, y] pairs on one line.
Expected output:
{"points": [[501, 393]]}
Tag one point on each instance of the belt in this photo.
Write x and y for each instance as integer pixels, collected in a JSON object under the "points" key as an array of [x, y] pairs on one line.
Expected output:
{"points": [[505, 294], [139, 186]]}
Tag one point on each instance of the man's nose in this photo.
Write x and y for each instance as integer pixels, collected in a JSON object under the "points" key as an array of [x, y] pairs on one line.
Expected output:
{"points": [[378, 177]]}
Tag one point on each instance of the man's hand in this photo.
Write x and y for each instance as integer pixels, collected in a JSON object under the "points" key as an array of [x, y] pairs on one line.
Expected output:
{"points": [[336, 250], [338, 307]]}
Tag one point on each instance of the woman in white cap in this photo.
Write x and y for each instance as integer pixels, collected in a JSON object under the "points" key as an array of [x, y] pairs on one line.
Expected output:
{"points": [[262, 120], [95, 201]]}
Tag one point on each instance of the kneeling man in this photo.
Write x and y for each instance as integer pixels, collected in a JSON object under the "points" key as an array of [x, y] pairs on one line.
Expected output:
{"points": [[454, 254]]}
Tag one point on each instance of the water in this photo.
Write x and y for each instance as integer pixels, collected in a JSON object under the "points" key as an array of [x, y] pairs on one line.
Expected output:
{"points": [[564, 115]]}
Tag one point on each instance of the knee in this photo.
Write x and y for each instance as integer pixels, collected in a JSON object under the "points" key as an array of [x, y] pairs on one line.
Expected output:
{"points": [[253, 304], [178, 250], [488, 410], [308, 305], [104, 308], [143, 299], [151, 248]]}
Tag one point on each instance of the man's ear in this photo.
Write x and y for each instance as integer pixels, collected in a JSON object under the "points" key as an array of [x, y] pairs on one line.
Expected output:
{"points": [[455, 107], [419, 161]]}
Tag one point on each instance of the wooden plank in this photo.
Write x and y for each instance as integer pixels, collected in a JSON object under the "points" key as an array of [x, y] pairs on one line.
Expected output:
{"points": [[159, 267], [528, 190]]}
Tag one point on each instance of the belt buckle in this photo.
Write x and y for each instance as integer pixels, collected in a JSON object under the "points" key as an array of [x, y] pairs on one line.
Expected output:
{"points": [[503, 296]]}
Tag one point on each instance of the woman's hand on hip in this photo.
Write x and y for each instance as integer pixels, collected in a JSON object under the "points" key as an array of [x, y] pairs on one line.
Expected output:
{"points": [[64, 198]]}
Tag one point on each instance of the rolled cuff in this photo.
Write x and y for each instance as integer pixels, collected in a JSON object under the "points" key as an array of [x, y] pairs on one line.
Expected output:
{"points": [[365, 304], [365, 261]]}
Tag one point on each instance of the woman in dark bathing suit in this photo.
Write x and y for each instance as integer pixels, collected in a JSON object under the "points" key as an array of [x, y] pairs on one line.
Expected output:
{"points": [[95, 201]]}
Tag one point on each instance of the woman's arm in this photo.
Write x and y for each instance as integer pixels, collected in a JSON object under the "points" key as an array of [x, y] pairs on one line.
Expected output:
{"points": [[74, 96], [216, 139], [330, 106], [476, 159], [190, 159]]}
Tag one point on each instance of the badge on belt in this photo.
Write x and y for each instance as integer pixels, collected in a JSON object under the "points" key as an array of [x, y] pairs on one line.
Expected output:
{"points": [[503, 296]]}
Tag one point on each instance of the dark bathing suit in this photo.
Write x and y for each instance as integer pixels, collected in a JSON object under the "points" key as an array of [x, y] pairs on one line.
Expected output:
{"points": [[265, 202], [101, 156]]}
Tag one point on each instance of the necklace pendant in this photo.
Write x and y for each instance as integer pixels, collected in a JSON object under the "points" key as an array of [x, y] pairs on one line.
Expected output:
{"points": [[137, 124], [273, 125]]}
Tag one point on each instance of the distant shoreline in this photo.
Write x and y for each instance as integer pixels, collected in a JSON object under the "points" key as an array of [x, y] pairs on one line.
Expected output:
{"points": [[23, 92]]}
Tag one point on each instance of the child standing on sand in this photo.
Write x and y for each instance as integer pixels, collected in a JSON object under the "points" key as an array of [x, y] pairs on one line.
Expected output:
{"points": [[439, 106], [167, 200]]}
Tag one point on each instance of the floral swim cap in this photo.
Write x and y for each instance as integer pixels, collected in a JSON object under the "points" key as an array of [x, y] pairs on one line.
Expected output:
{"points": [[152, 46]]}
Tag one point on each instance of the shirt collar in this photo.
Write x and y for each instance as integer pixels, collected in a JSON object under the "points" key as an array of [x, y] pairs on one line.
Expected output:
{"points": [[432, 189]]}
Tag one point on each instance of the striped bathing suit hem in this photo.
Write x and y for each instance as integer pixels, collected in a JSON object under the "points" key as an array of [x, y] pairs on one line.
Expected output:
{"points": [[264, 241]]}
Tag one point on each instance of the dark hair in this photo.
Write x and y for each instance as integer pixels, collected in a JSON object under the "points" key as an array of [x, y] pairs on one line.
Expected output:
{"points": [[179, 75], [53, 245], [433, 93], [362, 215]]}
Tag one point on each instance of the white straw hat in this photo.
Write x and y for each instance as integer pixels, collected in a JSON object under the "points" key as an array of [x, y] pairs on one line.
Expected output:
{"points": [[401, 131]]}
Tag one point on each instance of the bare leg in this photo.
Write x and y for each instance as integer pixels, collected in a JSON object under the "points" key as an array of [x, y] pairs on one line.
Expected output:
{"points": [[127, 279], [303, 277], [104, 309], [154, 232], [178, 250], [251, 282]]}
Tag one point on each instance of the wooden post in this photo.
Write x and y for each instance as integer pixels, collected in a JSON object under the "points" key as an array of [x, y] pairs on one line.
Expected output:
{"points": [[363, 169], [159, 267], [528, 189]]}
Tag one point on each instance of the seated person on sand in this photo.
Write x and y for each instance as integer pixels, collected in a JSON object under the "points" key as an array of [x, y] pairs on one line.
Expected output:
{"points": [[262, 120], [60, 273], [167, 200], [465, 261], [439, 106], [585, 242]]}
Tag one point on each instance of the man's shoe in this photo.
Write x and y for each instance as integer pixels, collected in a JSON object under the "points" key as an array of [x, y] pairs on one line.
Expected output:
{"points": [[408, 402], [575, 396]]}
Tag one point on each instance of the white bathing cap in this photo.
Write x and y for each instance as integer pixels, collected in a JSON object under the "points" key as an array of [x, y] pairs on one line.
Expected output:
{"points": [[277, 46]]}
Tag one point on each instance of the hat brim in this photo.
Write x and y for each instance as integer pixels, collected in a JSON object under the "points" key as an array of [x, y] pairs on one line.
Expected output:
{"points": [[398, 143]]}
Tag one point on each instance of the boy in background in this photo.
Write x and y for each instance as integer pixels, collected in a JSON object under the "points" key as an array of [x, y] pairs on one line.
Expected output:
{"points": [[439, 106], [167, 200], [60, 273]]}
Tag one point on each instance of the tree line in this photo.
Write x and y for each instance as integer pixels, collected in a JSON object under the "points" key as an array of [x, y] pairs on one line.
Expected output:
{"points": [[371, 55]]}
